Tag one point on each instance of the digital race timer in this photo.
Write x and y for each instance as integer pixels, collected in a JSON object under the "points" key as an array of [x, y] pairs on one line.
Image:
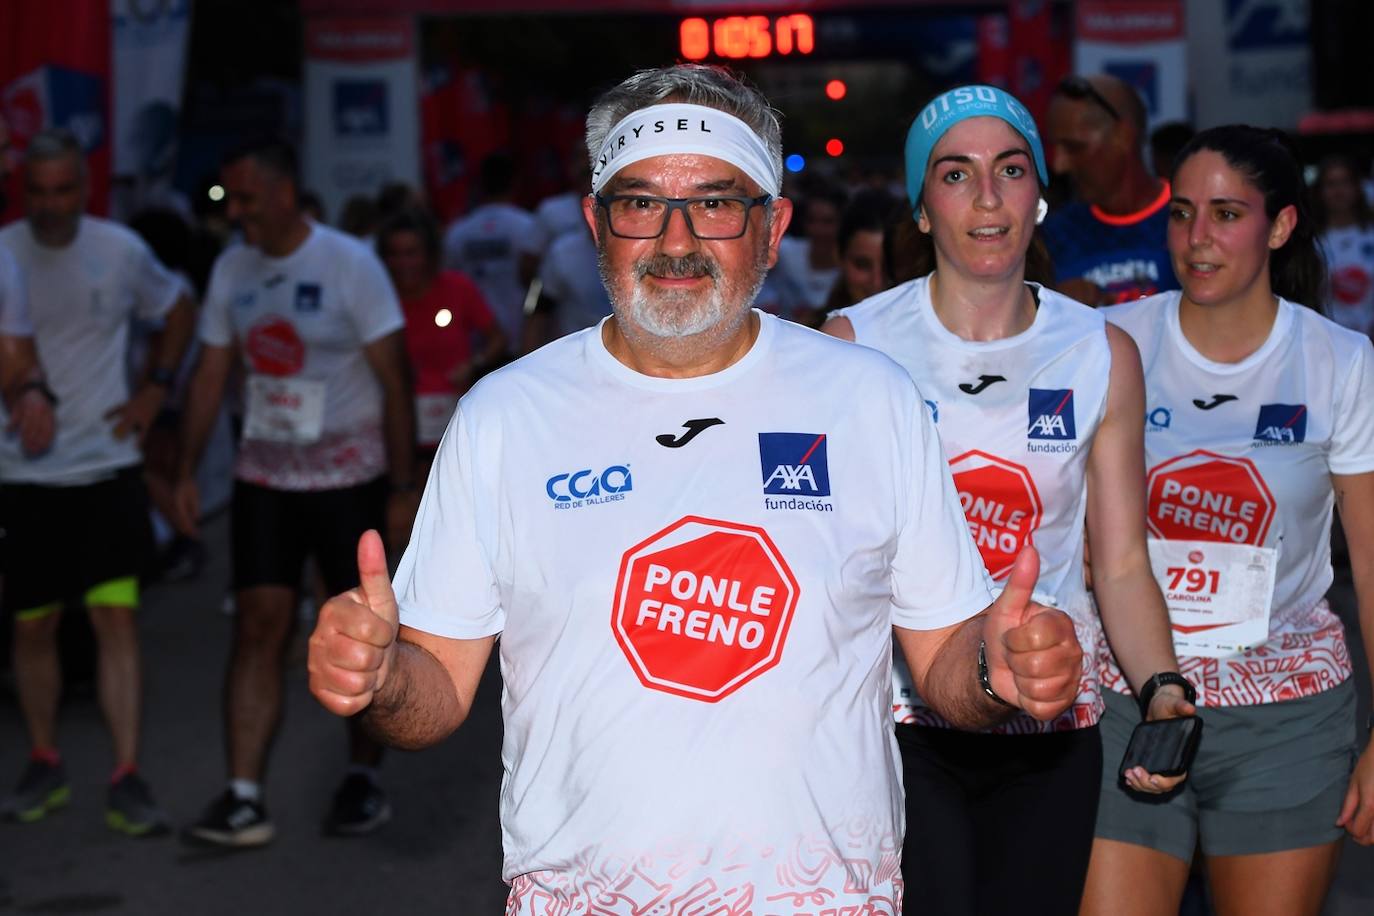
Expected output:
{"points": [[746, 36]]}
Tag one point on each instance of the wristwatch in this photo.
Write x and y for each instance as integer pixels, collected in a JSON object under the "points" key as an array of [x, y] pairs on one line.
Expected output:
{"points": [[983, 680], [1147, 692], [39, 385]]}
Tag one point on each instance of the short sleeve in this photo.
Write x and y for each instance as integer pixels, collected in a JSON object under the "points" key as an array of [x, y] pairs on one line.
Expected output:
{"points": [[156, 289], [551, 277], [371, 299], [530, 237], [446, 584], [14, 298], [215, 329], [938, 577], [1352, 439]]}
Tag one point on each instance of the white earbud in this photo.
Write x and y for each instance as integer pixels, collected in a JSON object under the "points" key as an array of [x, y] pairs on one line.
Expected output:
{"points": [[1040, 210]]}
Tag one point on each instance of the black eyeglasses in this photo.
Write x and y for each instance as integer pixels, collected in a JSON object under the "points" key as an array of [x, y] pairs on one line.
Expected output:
{"points": [[635, 216], [1077, 88]]}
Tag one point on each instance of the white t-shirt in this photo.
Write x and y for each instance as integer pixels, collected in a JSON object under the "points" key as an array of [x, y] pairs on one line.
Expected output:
{"points": [[1016, 418], [14, 298], [1349, 253], [1243, 452], [82, 299], [487, 245], [801, 286], [314, 406], [571, 278], [696, 641], [559, 214]]}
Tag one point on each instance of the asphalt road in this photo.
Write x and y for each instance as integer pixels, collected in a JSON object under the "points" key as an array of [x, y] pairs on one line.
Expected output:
{"points": [[440, 854]]}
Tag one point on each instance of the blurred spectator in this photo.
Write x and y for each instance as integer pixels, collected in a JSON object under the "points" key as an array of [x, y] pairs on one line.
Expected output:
{"points": [[1346, 235], [76, 517], [497, 244], [864, 270], [451, 336], [1165, 143], [562, 213], [808, 267], [312, 206], [358, 217], [1108, 244]]}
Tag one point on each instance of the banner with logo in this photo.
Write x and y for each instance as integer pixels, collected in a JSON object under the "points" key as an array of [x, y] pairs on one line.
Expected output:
{"points": [[55, 72], [361, 106], [1250, 61], [1140, 42], [150, 40], [1025, 51]]}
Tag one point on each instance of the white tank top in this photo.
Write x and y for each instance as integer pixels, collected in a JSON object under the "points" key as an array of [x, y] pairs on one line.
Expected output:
{"points": [[1016, 419], [1243, 453]]}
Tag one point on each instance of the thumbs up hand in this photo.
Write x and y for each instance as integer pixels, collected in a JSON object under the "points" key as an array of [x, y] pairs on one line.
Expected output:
{"points": [[1034, 660], [354, 644]]}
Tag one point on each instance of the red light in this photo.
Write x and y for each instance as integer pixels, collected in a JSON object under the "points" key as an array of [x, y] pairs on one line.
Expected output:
{"points": [[836, 89], [695, 37], [834, 147]]}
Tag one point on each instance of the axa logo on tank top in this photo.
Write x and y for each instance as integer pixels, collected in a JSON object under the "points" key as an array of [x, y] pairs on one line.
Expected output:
{"points": [[1281, 424], [588, 487], [796, 470], [1050, 420]]}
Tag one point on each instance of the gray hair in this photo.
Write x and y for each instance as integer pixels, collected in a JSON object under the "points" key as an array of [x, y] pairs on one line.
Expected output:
{"points": [[54, 143], [694, 84]]}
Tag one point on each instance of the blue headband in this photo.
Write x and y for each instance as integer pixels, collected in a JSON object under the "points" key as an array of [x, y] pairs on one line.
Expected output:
{"points": [[960, 105]]}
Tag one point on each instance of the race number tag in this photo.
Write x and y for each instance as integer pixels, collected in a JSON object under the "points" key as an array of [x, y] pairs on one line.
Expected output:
{"points": [[1218, 594], [284, 410], [432, 413]]}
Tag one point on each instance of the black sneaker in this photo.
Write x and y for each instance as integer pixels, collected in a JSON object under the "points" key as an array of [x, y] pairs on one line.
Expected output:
{"points": [[359, 807], [41, 789], [232, 821], [130, 809]]}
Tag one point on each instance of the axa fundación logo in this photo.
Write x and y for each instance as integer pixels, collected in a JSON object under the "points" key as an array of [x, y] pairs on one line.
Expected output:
{"points": [[795, 466], [1281, 424], [1050, 419], [586, 487]]}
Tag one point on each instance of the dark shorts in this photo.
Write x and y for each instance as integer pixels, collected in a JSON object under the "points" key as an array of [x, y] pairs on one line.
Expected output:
{"points": [[275, 530], [998, 824], [61, 542], [1267, 778]]}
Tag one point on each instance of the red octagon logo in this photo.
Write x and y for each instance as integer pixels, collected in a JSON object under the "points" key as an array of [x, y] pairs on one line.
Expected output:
{"points": [[703, 607], [1203, 496], [274, 347], [1001, 505]]}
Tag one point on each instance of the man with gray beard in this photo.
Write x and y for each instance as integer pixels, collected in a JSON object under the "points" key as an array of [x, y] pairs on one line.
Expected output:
{"points": [[695, 556]]}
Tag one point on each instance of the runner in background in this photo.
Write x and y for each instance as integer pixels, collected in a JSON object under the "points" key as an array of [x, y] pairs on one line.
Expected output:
{"points": [[571, 286], [498, 246], [327, 453], [863, 244], [76, 516], [1346, 235], [1260, 419], [451, 337], [1108, 244], [753, 535], [809, 264], [1040, 411]]}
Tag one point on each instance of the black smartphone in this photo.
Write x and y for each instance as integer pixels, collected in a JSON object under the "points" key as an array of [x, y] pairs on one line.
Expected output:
{"points": [[1165, 747]]}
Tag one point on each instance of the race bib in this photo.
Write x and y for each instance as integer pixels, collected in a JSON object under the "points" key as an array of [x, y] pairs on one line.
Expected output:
{"points": [[432, 413], [284, 410], [1219, 594]]}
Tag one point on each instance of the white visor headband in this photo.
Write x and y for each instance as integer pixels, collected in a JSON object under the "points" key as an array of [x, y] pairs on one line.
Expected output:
{"points": [[663, 130]]}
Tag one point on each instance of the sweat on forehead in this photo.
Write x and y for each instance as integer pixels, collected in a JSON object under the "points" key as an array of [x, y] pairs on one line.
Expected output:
{"points": [[677, 128]]}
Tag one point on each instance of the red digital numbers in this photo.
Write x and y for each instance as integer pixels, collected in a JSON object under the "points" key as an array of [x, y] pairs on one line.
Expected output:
{"points": [[738, 37]]}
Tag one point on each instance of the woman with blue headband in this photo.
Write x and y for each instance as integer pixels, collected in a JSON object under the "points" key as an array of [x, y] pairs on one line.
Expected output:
{"points": [[1040, 408]]}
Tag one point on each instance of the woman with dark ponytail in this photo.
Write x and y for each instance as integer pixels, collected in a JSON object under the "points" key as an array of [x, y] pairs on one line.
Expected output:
{"points": [[1259, 421]]}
